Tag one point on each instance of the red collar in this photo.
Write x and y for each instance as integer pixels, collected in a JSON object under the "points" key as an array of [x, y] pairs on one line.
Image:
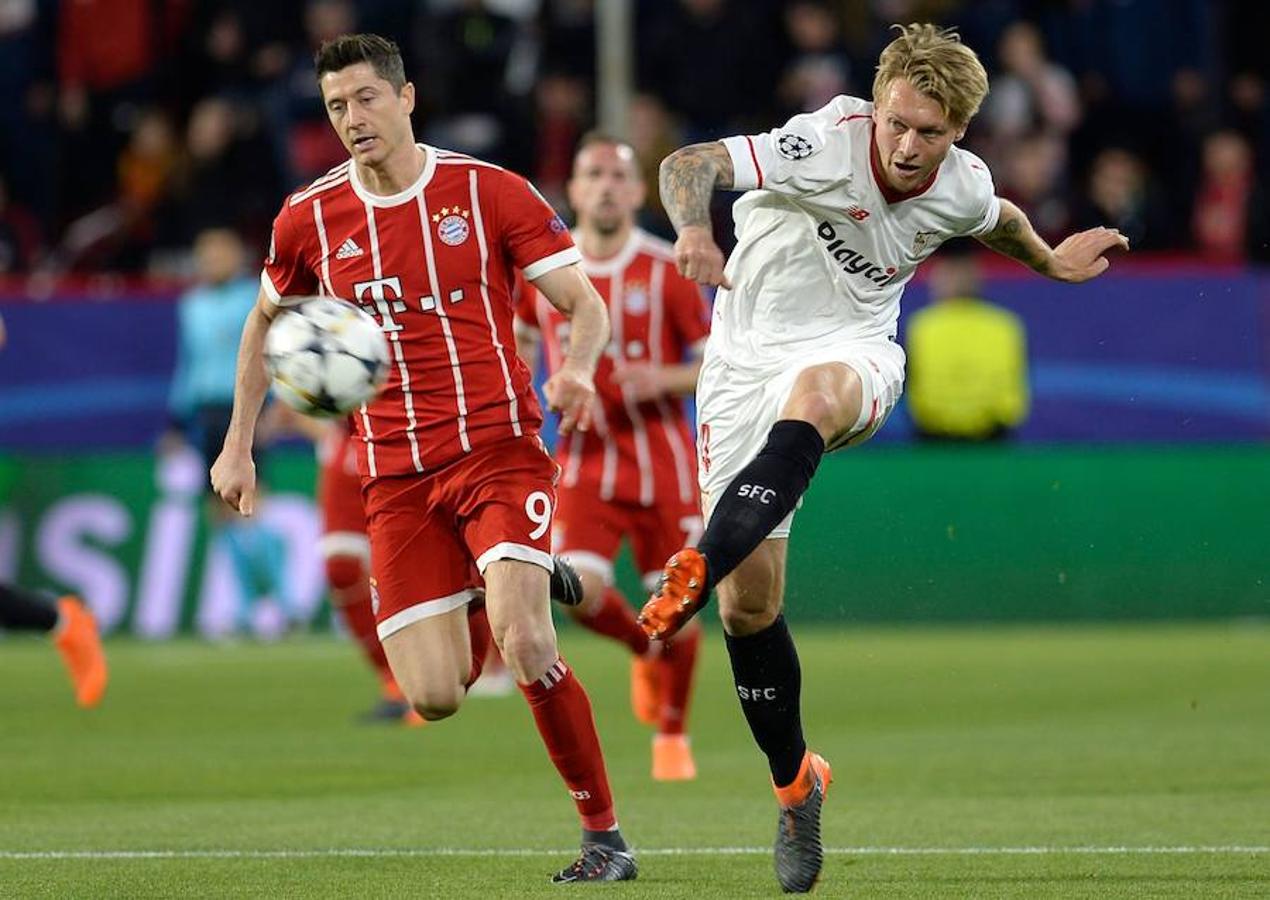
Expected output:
{"points": [[889, 193]]}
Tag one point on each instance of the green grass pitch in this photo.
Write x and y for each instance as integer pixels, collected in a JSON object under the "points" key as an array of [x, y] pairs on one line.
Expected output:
{"points": [[993, 762]]}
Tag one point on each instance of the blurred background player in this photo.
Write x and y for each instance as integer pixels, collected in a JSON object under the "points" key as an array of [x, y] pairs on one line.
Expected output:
{"points": [[630, 476], [73, 629], [967, 373], [210, 319]]}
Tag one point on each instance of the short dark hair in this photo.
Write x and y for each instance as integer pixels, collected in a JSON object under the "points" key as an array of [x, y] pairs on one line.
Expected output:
{"points": [[347, 50], [595, 137]]}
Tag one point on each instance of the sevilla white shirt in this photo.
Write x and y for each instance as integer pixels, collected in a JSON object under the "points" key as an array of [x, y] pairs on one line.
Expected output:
{"points": [[824, 246]]}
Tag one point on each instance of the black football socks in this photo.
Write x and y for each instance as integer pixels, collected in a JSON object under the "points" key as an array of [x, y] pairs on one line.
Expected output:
{"points": [[769, 686], [25, 610], [763, 494]]}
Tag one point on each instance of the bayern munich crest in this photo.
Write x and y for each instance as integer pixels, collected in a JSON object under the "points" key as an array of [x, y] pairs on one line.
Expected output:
{"points": [[452, 225], [793, 146]]}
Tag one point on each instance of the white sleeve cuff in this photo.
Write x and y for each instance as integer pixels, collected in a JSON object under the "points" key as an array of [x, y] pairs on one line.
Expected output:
{"points": [[746, 174], [566, 257], [266, 285], [276, 298]]}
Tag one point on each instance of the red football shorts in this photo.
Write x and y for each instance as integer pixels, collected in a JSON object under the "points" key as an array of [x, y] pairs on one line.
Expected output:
{"points": [[427, 531], [589, 531]]}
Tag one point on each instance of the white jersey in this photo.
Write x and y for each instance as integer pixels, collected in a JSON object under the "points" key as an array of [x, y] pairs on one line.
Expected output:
{"points": [[824, 248]]}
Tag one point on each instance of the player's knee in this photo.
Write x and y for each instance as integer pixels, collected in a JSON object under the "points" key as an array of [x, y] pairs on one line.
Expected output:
{"points": [[528, 652], [437, 702], [740, 621], [344, 572], [821, 409], [829, 404]]}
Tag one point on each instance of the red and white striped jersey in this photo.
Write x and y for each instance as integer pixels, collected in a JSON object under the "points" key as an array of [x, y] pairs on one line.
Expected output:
{"points": [[434, 264], [635, 452]]}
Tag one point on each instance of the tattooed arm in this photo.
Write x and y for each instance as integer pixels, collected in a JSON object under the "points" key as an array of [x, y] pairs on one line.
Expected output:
{"points": [[687, 179], [1079, 258]]}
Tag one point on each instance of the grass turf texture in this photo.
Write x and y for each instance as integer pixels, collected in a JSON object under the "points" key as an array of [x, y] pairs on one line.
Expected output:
{"points": [[986, 739]]}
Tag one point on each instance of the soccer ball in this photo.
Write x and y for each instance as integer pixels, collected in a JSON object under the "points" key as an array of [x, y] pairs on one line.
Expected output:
{"points": [[326, 357]]}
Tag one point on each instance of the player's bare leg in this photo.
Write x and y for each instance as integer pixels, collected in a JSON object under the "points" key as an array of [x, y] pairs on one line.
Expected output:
{"points": [[516, 597], [769, 685], [823, 404], [432, 662]]}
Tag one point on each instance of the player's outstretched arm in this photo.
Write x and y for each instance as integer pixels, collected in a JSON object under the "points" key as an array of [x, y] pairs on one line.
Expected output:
{"points": [[571, 388], [687, 178], [234, 473], [1078, 258]]}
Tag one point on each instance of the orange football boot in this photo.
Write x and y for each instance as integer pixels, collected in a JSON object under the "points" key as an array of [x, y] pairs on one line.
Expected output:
{"points": [[672, 758], [680, 593], [76, 639]]}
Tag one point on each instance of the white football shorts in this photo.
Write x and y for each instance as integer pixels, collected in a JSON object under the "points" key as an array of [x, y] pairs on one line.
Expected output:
{"points": [[736, 408]]}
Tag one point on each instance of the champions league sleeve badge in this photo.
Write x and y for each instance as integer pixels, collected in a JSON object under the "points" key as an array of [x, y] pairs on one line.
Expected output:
{"points": [[794, 146]]}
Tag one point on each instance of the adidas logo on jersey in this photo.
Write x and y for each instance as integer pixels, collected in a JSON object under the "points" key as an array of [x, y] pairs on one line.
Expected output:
{"points": [[348, 249]]}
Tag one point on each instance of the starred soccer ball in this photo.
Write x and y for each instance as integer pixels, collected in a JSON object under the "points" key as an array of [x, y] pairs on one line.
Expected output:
{"points": [[326, 357]]}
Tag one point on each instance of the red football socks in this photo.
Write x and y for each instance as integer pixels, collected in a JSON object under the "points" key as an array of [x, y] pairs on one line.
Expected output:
{"points": [[563, 715], [679, 664], [615, 619], [360, 622]]}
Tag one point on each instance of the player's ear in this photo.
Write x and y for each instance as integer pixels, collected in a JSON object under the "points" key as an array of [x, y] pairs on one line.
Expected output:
{"points": [[407, 95]]}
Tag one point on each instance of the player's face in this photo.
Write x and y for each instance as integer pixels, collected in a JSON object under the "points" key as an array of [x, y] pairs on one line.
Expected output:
{"points": [[218, 254], [606, 188], [913, 135], [371, 118]]}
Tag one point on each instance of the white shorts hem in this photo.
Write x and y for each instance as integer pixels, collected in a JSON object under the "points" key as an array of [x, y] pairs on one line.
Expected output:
{"points": [[344, 543], [511, 550], [424, 610]]}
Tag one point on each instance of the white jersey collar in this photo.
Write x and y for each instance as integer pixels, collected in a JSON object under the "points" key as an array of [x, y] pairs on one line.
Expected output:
{"points": [[382, 200], [612, 265]]}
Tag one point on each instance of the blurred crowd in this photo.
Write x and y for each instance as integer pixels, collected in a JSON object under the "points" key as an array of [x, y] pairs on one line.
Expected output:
{"points": [[132, 125]]}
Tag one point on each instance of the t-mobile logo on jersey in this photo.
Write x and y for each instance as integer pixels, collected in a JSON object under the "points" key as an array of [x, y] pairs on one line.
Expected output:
{"points": [[383, 296], [755, 693], [852, 261], [757, 492]]}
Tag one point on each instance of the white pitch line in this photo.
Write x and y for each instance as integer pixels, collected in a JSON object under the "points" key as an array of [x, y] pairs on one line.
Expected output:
{"points": [[355, 852]]}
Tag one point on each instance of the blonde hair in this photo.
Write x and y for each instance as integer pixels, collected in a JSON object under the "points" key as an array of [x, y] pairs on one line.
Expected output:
{"points": [[937, 64]]}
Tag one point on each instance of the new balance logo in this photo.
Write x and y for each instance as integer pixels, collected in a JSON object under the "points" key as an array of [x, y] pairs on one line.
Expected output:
{"points": [[857, 213], [348, 249]]}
